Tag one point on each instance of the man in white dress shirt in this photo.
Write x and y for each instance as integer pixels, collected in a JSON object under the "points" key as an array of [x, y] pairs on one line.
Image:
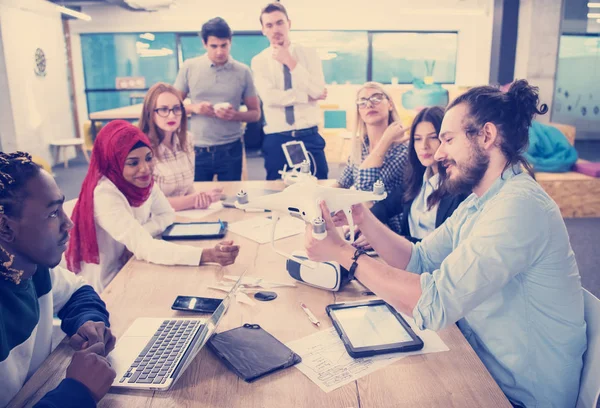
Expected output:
{"points": [[289, 79]]}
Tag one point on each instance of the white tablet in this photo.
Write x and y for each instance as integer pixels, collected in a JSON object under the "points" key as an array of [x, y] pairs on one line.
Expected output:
{"points": [[295, 153]]}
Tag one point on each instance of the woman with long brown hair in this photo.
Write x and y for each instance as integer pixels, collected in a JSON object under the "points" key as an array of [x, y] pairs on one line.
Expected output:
{"points": [[164, 121]]}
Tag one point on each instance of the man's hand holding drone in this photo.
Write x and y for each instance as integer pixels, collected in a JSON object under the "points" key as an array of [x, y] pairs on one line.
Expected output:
{"points": [[331, 246]]}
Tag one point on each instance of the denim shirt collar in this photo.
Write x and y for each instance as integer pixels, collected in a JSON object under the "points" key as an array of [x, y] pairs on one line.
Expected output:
{"points": [[509, 173]]}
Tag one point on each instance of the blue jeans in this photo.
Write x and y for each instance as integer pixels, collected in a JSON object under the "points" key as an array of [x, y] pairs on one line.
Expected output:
{"points": [[223, 160], [275, 159]]}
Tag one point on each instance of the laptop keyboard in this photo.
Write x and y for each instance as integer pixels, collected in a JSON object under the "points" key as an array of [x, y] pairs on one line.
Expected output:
{"points": [[158, 359]]}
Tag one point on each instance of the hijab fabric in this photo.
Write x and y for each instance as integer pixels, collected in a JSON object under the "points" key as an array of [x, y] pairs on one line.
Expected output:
{"points": [[113, 144]]}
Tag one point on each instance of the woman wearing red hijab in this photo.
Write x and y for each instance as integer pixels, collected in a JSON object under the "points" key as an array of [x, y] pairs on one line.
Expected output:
{"points": [[120, 209]]}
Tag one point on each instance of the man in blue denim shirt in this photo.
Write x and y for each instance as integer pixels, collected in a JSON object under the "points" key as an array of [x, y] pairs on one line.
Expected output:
{"points": [[501, 266]]}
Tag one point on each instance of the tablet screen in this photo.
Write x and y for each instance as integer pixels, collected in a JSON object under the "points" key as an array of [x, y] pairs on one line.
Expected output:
{"points": [[296, 153], [368, 326], [190, 230]]}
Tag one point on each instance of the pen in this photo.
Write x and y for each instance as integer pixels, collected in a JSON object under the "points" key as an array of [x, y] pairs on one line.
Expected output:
{"points": [[310, 315], [256, 210], [222, 225]]}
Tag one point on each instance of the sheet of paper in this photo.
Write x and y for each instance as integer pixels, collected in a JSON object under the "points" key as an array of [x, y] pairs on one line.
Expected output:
{"points": [[259, 228], [199, 214], [327, 363]]}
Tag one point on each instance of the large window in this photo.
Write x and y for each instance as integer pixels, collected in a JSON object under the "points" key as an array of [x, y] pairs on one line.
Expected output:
{"points": [[344, 54], [404, 57], [348, 57], [107, 57], [577, 96], [243, 46]]}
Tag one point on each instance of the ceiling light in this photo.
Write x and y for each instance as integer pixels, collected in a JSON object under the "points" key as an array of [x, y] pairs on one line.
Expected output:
{"points": [[154, 53], [147, 36], [593, 5], [593, 15], [76, 14]]}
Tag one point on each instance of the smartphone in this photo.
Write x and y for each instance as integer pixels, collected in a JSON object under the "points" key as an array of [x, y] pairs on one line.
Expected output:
{"points": [[196, 304]]}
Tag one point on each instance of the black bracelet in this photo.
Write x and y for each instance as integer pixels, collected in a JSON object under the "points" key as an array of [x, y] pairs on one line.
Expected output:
{"points": [[354, 265]]}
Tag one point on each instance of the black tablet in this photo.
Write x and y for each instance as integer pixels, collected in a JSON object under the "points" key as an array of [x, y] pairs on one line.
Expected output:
{"points": [[195, 230], [374, 327]]}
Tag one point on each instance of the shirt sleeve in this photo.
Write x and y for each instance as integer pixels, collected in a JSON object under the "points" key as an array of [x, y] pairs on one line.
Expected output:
{"points": [[70, 393], [309, 78], [267, 88], [64, 284], [346, 180], [181, 82], [249, 88], [113, 213], [390, 172], [161, 213], [85, 305], [508, 239], [428, 255]]}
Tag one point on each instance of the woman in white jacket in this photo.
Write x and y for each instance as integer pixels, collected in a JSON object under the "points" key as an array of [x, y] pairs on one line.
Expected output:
{"points": [[120, 210]]}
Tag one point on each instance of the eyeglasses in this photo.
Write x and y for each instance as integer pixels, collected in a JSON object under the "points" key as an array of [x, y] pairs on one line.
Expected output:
{"points": [[373, 100], [164, 111]]}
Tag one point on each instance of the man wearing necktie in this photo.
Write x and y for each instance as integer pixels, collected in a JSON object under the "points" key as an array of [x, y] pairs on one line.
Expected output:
{"points": [[289, 79]]}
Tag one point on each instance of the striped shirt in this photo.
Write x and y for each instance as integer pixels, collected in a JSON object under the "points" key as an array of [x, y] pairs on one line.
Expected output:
{"points": [[174, 168]]}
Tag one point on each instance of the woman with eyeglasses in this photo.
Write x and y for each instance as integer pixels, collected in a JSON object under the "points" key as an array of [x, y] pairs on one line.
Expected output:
{"points": [[378, 151], [422, 201], [120, 210], [165, 123]]}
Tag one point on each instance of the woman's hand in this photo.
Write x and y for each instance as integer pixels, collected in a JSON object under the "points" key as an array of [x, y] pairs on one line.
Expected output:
{"points": [[215, 194], [395, 133], [205, 199], [202, 200], [224, 253]]}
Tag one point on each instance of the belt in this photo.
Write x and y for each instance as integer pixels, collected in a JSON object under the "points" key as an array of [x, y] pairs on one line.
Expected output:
{"points": [[300, 132], [215, 148]]}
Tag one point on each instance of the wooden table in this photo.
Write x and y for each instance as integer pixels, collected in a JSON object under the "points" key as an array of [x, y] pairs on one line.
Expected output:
{"points": [[456, 378]]}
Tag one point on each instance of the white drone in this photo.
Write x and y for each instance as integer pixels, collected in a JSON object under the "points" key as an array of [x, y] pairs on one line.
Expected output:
{"points": [[301, 200]]}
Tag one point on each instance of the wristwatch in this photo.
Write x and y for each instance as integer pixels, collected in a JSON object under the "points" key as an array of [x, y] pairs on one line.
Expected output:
{"points": [[354, 265]]}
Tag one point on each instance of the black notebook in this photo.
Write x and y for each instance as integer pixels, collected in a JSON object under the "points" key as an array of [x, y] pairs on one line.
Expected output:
{"points": [[251, 352]]}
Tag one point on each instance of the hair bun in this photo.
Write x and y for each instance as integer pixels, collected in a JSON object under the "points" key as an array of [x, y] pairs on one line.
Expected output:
{"points": [[525, 99]]}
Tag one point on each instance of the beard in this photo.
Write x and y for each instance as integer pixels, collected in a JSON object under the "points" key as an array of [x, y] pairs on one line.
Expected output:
{"points": [[468, 175]]}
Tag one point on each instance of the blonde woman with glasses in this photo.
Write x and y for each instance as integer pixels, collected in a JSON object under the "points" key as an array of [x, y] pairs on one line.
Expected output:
{"points": [[379, 151]]}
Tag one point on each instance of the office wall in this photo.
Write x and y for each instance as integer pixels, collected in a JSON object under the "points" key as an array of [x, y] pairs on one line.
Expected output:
{"points": [[41, 109], [471, 18]]}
